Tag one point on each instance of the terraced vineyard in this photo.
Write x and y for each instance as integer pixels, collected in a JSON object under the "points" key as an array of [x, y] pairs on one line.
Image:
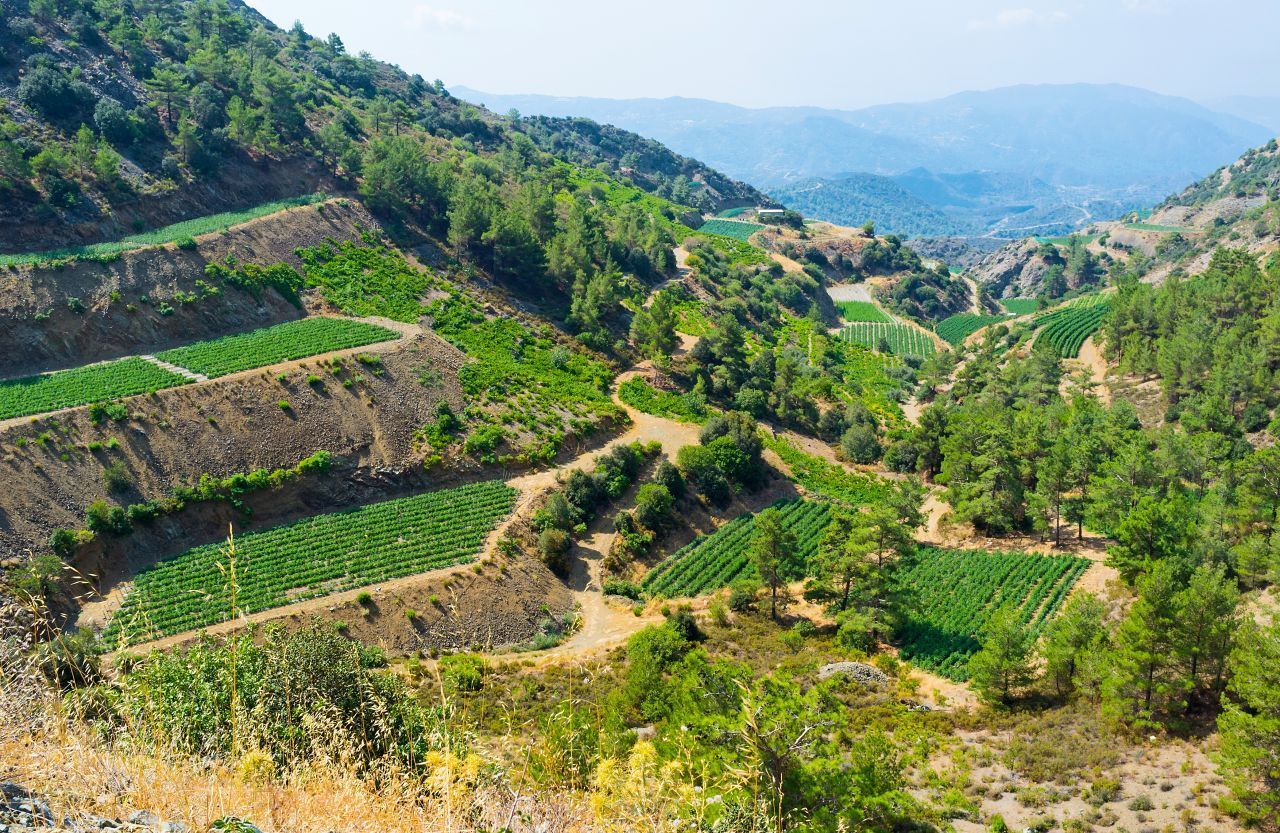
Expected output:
{"points": [[1020, 306], [1066, 327], [713, 561], [271, 345], [903, 339], [83, 386], [953, 593], [169, 234], [956, 328], [736, 229], [310, 558], [856, 311]]}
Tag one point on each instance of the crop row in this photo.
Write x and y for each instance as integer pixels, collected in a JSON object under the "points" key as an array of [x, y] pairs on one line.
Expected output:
{"points": [[1067, 328], [735, 229], [1020, 306], [951, 594], [856, 311], [900, 339], [309, 558], [956, 328], [714, 561], [270, 345], [83, 386], [132, 376]]}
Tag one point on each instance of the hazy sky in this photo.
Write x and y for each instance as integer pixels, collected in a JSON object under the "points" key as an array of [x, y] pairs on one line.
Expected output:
{"points": [[820, 52]]}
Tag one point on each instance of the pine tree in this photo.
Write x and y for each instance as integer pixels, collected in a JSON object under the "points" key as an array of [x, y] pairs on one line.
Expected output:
{"points": [[1250, 721], [1207, 623], [1144, 680], [773, 552], [1003, 666], [1068, 637]]}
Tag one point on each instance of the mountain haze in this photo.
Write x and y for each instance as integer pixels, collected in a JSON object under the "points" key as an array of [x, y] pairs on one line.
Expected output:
{"points": [[1075, 144]]}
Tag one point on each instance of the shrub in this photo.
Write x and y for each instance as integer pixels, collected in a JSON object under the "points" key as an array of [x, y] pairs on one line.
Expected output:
{"points": [[669, 476], [463, 672], [624, 588], [102, 517], [700, 467], [41, 577], [116, 477], [654, 505], [553, 547], [742, 596], [71, 660], [902, 457], [364, 598], [180, 702], [860, 444]]}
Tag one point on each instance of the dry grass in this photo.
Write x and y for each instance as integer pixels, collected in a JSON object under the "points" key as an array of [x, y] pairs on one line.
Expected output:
{"points": [[78, 776]]}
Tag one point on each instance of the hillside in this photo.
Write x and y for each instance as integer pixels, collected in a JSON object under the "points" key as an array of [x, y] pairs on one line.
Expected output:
{"points": [[470, 472], [1035, 176], [171, 132], [1234, 206]]}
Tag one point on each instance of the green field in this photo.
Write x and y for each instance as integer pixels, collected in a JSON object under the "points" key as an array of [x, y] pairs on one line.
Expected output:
{"points": [[714, 561], [270, 345], [1020, 306], [1065, 328], [1066, 239], [860, 311], [159, 237], [952, 593], [903, 339], [956, 328], [730, 213], [828, 480], [1160, 228], [83, 386], [642, 396], [312, 557], [735, 229]]}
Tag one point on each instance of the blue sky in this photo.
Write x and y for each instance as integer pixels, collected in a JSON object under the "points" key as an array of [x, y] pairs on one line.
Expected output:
{"points": [[818, 52]]}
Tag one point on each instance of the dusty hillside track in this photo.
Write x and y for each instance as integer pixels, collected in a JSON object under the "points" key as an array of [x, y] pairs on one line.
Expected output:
{"points": [[601, 624]]}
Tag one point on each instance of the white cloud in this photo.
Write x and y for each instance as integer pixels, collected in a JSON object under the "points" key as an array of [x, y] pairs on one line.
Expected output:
{"points": [[1145, 6], [424, 15], [1010, 18]]}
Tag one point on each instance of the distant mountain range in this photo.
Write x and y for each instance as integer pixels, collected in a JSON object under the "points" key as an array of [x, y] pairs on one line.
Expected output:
{"points": [[1030, 159]]}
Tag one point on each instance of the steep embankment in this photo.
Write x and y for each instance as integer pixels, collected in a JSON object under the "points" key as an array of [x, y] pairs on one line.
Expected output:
{"points": [[146, 300], [55, 466]]}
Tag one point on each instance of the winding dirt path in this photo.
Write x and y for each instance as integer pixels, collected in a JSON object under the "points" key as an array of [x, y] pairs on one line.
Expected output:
{"points": [[1092, 360], [602, 625]]}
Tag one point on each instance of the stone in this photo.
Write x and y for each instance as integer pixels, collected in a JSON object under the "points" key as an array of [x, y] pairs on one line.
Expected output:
{"points": [[856, 671]]}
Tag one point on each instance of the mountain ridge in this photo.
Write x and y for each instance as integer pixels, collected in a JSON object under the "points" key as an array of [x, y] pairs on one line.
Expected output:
{"points": [[1013, 131]]}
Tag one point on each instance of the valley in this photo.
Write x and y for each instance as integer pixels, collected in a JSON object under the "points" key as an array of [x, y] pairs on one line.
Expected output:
{"points": [[375, 461]]}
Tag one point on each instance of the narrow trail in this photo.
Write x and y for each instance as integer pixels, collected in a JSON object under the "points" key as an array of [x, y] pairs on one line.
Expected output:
{"points": [[173, 368], [1092, 360]]}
